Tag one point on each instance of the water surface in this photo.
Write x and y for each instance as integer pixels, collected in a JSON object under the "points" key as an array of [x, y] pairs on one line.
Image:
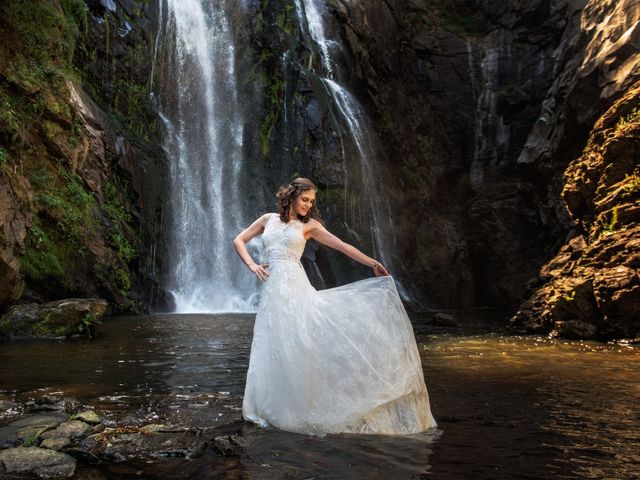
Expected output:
{"points": [[507, 407]]}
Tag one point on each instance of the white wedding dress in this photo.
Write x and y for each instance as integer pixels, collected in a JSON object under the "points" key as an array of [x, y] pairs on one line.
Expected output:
{"points": [[338, 360]]}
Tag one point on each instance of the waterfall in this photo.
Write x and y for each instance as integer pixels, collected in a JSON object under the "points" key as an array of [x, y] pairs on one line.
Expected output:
{"points": [[491, 133], [352, 118], [197, 99]]}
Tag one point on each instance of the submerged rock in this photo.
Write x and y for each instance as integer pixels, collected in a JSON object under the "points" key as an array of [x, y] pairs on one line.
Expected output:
{"points": [[229, 445], [37, 461], [27, 430], [444, 319], [61, 318]]}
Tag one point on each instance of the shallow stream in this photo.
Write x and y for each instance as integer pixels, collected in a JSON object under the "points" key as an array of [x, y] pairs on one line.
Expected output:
{"points": [[507, 407]]}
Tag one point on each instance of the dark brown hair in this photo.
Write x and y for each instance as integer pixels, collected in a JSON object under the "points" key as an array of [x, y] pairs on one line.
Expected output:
{"points": [[287, 195]]}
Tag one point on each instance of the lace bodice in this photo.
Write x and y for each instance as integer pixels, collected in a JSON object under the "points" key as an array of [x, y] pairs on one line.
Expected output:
{"points": [[282, 241]]}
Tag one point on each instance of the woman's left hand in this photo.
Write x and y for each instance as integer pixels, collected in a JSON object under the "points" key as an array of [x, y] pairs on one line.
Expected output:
{"points": [[379, 270]]}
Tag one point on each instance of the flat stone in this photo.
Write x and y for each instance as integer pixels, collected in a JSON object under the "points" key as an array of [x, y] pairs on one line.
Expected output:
{"points": [[39, 461], [70, 429], [39, 419], [28, 435], [29, 428], [134, 438], [88, 416], [153, 428], [90, 443], [98, 428], [56, 443]]}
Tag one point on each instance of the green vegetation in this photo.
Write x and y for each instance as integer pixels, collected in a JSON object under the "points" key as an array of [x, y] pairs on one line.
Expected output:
{"points": [[631, 184], [569, 296], [42, 265], [30, 439], [63, 197], [63, 220], [119, 223], [275, 95], [76, 15], [284, 20], [630, 119], [88, 324], [609, 227], [72, 239]]}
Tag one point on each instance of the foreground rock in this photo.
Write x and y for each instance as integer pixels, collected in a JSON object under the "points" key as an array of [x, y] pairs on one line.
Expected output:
{"points": [[37, 461], [591, 288], [54, 319], [48, 444]]}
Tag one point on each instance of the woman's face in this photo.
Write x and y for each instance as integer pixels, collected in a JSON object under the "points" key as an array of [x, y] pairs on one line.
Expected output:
{"points": [[304, 202]]}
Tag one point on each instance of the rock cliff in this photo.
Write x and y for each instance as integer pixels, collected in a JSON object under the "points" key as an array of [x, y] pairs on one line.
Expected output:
{"points": [[473, 112], [591, 288], [79, 166], [480, 107]]}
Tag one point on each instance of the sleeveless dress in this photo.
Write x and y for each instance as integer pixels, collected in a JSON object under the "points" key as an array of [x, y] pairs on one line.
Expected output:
{"points": [[341, 360]]}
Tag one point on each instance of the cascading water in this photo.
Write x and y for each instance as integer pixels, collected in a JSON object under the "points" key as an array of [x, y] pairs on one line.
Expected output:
{"points": [[352, 117], [198, 102], [492, 136]]}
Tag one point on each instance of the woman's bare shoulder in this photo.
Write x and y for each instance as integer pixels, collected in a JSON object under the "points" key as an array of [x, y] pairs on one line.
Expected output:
{"points": [[267, 216], [311, 227], [314, 224], [262, 220]]}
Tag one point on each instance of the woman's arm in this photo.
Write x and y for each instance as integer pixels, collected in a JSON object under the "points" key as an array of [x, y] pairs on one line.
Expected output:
{"points": [[322, 235], [240, 244]]}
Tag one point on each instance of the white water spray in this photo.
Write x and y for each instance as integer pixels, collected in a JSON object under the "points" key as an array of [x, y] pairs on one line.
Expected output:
{"points": [[203, 139]]}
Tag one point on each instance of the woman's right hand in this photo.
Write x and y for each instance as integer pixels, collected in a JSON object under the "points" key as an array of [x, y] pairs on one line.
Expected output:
{"points": [[379, 270], [260, 270]]}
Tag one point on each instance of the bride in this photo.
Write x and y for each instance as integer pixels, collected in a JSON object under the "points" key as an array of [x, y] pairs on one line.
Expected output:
{"points": [[330, 361]]}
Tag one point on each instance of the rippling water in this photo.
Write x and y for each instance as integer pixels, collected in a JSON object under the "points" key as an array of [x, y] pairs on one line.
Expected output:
{"points": [[507, 407]]}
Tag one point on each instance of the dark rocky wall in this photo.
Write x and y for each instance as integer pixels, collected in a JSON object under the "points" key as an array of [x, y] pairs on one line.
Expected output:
{"points": [[480, 106], [80, 166]]}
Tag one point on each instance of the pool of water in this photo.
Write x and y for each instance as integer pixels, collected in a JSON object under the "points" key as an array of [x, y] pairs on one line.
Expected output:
{"points": [[507, 407]]}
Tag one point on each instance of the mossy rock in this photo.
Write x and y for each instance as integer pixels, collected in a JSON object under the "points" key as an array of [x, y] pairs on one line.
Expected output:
{"points": [[54, 319]]}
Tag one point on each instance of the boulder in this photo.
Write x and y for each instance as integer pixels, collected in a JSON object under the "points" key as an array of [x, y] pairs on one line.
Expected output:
{"points": [[54, 319], [37, 461]]}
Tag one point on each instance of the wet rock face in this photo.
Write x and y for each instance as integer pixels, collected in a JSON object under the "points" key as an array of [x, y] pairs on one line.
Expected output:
{"points": [[591, 288], [480, 107], [75, 155]]}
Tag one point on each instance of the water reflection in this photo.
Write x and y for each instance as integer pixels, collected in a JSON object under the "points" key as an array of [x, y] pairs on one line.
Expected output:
{"points": [[507, 407]]}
